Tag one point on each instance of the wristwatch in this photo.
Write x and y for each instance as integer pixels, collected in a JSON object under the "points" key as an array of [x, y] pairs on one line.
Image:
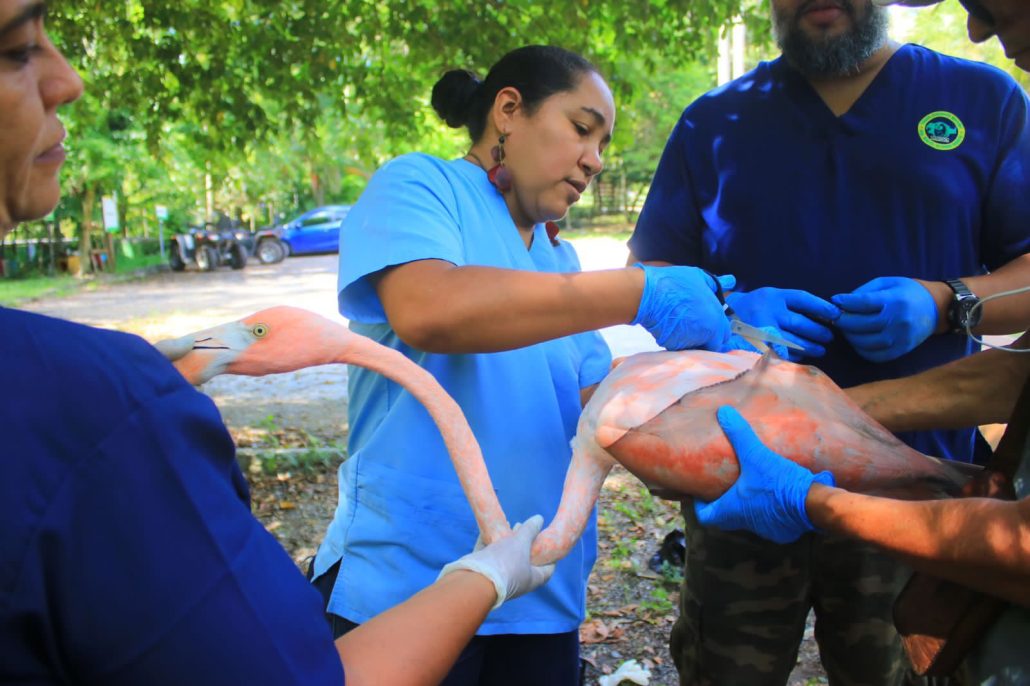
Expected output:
{"points": [[961, 315]]}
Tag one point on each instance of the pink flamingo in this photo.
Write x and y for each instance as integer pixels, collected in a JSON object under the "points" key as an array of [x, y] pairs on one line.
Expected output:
{"points": [[655, 414], [285, 339]]}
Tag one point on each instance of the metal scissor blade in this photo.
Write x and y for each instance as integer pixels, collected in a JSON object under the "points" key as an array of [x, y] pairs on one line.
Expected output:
{"points": [[753, 333]]}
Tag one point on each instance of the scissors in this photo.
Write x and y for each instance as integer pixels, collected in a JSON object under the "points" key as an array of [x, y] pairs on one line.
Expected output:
{"points": [[752, 334]]}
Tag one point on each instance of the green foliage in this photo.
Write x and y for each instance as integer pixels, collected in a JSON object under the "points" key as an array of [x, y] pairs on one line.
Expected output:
{"points": [[270, 425], [286, 105], [943, 28], [672, 575], [280, 106], [637, 509], [313, 459], [620, 555], [17, 291], [244, 69], [658, 601]]}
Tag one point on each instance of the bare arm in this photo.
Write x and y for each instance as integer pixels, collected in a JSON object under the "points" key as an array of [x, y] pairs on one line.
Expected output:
{"points": [[436, 306], [1002, 316], [418, 641], [979, 542], [979, 389]]}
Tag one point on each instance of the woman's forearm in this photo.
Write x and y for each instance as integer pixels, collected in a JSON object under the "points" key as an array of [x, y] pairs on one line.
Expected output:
{"points": [[417, 642], [982, 543], [438, 307]]}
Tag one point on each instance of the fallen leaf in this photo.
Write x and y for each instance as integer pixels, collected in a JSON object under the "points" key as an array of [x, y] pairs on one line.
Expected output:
{"points": [[624, 610], [596, 631], [593, 631]]}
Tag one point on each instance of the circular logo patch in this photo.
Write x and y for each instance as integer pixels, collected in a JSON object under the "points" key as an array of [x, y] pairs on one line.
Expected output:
{"points": [[942, 130]]}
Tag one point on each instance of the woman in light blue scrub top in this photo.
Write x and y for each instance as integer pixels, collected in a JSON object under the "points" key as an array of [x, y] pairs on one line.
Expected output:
{"points": [[457, 264]]}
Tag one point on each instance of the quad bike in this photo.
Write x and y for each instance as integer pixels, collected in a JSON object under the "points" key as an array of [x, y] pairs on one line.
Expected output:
{"points": [[206, 249], [267, 246]]}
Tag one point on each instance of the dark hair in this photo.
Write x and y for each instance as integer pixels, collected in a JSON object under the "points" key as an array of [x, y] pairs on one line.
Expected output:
{"points": [[536, 71]]}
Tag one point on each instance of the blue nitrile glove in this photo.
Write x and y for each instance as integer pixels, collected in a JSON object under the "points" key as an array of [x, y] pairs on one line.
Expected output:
{"points": [[679, 308], [887, 317], [769, 496], [793, 312], [738, 342]]}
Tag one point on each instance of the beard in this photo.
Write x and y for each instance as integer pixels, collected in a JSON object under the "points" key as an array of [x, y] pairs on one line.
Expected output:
{"points": [[818, 56]]}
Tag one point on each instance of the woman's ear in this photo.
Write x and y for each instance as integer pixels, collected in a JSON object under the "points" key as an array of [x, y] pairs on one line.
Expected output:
{"points": [[506, 105]]}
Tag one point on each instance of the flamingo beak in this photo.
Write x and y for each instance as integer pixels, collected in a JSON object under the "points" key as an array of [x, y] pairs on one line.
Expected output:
{"points": [[204, 355]]}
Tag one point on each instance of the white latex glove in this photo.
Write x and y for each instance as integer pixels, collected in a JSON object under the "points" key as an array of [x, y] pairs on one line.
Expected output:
{"points": [[506, 562], [627, 671]]}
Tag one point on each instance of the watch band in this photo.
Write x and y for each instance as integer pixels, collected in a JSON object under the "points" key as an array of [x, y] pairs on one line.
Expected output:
{"points": [[960, 288], [960, 316]]}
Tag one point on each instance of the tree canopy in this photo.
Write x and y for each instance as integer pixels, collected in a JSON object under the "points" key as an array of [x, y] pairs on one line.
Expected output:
{"points": [[280, 105], [245, 69]]}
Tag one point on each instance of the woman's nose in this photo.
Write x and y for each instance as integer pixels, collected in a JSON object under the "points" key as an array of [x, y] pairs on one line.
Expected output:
{"points": [[592, 163], [61, 83]]}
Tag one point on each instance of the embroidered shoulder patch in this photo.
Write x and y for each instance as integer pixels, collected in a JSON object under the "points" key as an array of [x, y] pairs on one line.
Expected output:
{"points": [[942, 130]]}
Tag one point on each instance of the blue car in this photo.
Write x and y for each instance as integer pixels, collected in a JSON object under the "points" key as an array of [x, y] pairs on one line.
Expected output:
{"points": [[315, 231]]}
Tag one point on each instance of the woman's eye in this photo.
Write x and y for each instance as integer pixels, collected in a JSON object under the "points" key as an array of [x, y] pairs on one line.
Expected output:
{"points": [[21, 55], [581, 129]]}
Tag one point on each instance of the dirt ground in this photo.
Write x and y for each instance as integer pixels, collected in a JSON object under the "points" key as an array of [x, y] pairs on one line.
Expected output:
{"points": [[290, 430]]}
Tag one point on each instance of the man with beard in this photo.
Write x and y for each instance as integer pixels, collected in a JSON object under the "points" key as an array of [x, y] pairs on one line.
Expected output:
{"points": [[860, 191]]}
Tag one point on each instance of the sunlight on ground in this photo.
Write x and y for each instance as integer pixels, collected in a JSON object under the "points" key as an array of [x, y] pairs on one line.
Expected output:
{"points": [[168, 324]]}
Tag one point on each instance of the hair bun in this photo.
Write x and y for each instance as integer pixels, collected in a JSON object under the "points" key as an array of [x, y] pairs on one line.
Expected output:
{"points": [[453, 96]]}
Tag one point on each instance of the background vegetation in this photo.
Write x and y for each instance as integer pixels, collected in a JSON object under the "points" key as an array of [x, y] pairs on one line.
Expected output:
{"points": [[259, 109]]}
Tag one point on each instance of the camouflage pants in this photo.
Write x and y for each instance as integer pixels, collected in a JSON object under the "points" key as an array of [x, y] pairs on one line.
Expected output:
{"points": [[744, 603]]}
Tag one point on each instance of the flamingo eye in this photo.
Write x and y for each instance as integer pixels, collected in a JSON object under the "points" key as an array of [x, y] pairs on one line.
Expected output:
{"points": [[260, 330]]}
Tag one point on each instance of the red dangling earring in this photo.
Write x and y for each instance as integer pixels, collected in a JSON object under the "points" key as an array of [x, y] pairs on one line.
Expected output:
{"points": [[552, 233], [498, 174]]}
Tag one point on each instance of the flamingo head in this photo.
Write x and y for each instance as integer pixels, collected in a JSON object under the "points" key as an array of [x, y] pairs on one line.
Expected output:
{"points": [[279, 339]]}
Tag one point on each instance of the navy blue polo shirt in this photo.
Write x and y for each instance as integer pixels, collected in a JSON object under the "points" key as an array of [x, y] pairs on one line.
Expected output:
{"points": [[926, 177], [128, 553]]}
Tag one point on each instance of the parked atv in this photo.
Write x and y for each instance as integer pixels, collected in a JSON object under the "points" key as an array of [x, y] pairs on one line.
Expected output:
{"points": [[206, 249], [267, 246]]}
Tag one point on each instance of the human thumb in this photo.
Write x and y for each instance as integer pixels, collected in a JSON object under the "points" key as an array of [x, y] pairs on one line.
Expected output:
{"points": [[724, 281], [524, 534], [526, 531], [739, 433], [704, 511]]}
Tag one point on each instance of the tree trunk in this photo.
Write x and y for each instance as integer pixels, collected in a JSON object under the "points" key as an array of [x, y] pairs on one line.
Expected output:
{"points": [[624, 194], [209, 194], [317, 191], [89, 200]]}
